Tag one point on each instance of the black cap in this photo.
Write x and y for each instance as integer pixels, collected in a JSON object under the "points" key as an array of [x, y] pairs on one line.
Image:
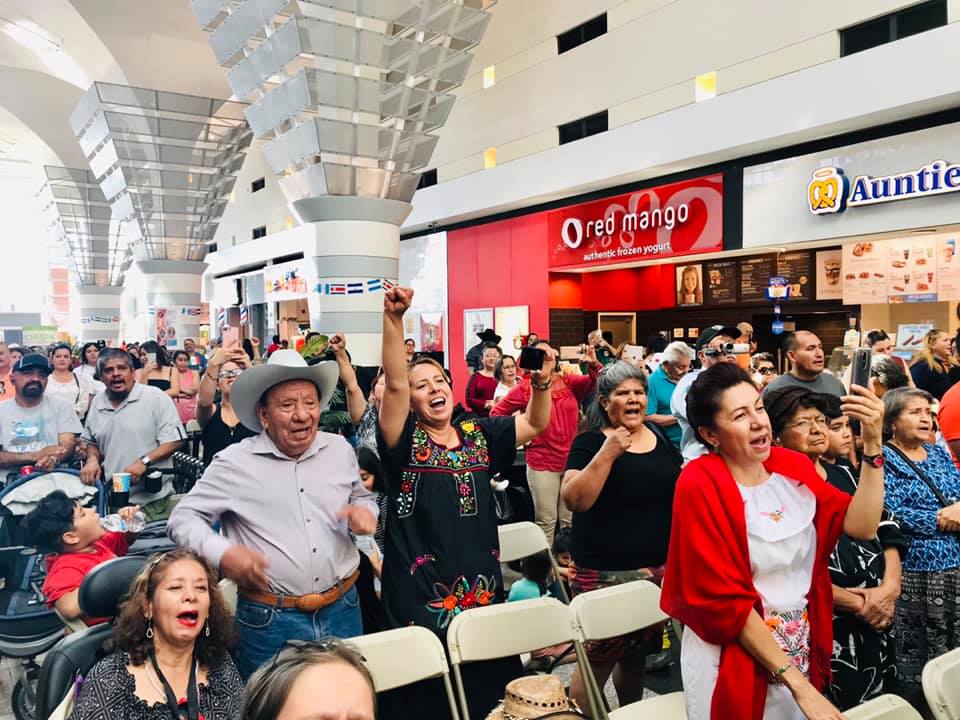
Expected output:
{"points": [[709, 333], [33, 361], [489, 335]]}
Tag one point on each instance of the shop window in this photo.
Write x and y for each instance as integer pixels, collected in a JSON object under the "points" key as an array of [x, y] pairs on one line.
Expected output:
{"points": [[258, 185], [428, 178], [259, 232], [584, 127], [212, 247], [894, 26], [590, 30]]}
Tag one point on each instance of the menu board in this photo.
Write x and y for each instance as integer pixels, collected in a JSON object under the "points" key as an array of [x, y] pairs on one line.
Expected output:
{"points": [[864, 273], [721, 283], [755, 274], [797, 268], [829, 264], [912, 270], [948, 266]]}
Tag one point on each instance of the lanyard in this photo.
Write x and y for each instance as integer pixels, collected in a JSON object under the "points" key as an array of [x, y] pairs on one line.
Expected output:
{"points": [[193, 701]]}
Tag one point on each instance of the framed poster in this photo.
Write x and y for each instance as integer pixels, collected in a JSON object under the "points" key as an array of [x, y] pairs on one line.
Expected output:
{"points": [[475, 321], [829, 265], [755, 274], [912, 270], [689, 285], [797, 268], [864, 272], [721, 283], [512, 325], [431, 332]]}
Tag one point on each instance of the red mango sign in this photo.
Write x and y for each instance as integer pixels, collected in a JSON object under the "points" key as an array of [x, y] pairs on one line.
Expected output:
{"points": [[683, 218]]}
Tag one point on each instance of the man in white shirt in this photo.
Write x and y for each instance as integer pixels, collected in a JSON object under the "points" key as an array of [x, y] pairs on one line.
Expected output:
{"points": [[714, 346], [35, 429]]}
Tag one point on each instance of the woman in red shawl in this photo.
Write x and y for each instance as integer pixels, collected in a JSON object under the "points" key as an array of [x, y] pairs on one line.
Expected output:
{"points": [[753, 528]]}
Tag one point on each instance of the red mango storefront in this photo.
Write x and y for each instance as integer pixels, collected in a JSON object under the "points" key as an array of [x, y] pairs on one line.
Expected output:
{"points": [[569, 266]]}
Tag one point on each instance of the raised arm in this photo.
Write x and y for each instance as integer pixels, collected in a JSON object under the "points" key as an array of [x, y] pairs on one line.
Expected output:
{"points": [[395, 406], [863, 514], [356, 403], [537, 416], [581, 488]]}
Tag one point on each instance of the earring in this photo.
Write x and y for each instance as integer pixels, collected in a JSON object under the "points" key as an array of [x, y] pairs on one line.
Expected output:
{"points": [[206, 629], [149, 628]]}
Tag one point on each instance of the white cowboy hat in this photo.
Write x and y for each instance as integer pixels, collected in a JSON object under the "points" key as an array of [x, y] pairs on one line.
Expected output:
{"points": [[283, 366]]}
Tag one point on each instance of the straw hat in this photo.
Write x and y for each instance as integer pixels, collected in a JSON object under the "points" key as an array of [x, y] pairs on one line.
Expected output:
{"points": [[536, 696]]}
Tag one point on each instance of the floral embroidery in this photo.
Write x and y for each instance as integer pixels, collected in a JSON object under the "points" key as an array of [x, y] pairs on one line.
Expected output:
{"points": [[775, 515], [791, 630], [461, 596], [408, 495], [420, 561], [466, 494]]}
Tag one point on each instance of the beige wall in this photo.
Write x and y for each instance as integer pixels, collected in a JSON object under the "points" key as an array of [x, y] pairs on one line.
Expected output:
{"points": [[942, 315], [644, 65]]}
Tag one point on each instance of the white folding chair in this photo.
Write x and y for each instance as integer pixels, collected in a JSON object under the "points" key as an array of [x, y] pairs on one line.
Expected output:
{"points": [[505, 630], [885, 707], [404, 656], [618, 610], [941, 685], [228, 588], [523, 539]]}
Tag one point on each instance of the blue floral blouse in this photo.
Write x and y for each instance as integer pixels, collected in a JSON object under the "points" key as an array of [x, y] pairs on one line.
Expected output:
{"points": [[916, 507]]}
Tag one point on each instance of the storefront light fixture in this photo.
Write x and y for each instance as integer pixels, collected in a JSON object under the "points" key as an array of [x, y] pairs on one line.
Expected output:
{"points": [[489, 158], [489, 76], [705, 86]]}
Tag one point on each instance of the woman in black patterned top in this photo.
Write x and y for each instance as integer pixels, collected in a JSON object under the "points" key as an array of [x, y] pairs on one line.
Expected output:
{"points": [[442, 549], [171, 644]]}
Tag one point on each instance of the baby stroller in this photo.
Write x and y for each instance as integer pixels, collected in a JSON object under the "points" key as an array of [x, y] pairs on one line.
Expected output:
{"points": [[28, 628]]}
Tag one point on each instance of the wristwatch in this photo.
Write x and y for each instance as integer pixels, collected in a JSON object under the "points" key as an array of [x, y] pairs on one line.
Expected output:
{"points": [[876, 461], [146, 460]]}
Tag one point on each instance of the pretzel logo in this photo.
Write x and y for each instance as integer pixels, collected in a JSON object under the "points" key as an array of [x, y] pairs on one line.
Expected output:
{"points": [[827, 191]]}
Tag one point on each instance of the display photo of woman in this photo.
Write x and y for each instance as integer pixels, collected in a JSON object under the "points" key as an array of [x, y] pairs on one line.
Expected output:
{"points": [[690, 285]]}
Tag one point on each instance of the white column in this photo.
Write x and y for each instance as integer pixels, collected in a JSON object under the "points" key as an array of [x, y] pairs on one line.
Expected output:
{"points": [[99, 313], [357, 245], [172, 285]]}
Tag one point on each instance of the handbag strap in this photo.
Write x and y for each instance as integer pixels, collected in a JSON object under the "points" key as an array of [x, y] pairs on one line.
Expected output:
{"points": [[941, 498]]}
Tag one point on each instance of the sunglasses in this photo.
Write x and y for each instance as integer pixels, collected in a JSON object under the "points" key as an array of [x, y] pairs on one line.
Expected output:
{"points": [[230, 373], [766, 371]]}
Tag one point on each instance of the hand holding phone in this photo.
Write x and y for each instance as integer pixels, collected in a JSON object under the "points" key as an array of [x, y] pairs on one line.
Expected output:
{"points": [[860, 368], [532, 358]]}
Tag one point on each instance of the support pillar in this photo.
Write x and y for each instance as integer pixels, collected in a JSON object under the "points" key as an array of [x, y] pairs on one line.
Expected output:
{"points": [[99, 313], [357, 246], [171, 291]]}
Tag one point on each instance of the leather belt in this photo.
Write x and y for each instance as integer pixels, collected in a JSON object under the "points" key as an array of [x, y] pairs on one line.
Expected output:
{"points": [[305, 603]]}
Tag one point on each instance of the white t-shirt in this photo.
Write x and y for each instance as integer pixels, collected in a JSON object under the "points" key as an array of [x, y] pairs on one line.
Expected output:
{"points": [[24, 430]]}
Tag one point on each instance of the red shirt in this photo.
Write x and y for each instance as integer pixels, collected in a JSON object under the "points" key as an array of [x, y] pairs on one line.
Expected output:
{"points": [[549, 450], [480, 389], [65, 572], [949, 416]]}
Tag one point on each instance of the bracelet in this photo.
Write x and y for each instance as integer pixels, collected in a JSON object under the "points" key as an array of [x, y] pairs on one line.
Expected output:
{"points": [[541, 386], [778, 674]]}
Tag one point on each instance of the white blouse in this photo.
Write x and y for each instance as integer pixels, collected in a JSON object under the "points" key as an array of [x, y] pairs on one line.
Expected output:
{"points": [[75, 393], [782, 542]]}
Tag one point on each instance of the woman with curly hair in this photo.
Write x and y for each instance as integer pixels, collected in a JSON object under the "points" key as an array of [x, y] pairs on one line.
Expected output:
{"points": [[170, 643]]}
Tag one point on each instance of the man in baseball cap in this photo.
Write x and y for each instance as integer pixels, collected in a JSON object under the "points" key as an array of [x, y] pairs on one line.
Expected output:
{"points": [[714, 346]]}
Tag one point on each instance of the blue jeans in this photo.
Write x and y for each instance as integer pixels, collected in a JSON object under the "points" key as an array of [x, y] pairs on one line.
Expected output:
{"points": [[263, 629]]}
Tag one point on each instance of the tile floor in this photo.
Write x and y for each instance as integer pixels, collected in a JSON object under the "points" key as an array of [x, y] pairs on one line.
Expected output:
{"points": [[9, 673]]}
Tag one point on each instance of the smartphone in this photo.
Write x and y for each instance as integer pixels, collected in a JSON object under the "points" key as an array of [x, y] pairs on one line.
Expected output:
{"points": [[532, 358], [860, 367], [152, 358]]}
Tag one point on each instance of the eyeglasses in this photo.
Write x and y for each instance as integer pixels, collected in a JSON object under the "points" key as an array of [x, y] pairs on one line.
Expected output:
{"points": [[806, 425], [230, 373]]}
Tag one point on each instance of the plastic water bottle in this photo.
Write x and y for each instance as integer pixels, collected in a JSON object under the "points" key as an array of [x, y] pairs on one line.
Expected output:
{"points": [[115, 523]]}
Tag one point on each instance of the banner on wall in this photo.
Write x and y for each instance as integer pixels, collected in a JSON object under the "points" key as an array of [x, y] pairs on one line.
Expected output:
{"points": [[948, 266], [431, 332], [165, 325], [912, 270], [829, 264], [285, 282], [864, 273], [666, 221]]}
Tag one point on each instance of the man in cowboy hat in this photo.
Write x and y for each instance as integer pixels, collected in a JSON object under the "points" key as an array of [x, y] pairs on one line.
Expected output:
{"points": [[475, 354], [287, 501]]}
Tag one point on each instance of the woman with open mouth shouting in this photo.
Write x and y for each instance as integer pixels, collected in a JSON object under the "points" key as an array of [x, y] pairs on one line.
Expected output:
{"points": [[171, 641], [747, 568], [441, 553]]}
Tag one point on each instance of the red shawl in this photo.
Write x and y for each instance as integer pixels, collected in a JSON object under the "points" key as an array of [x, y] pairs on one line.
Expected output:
{"points": [[708, 584]]}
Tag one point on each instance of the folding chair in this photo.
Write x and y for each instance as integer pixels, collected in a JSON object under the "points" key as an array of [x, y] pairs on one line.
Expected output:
{"points": [[941, 685], [619, 610], [404, 656], [508, 629], [523, 539], [885, 707]]}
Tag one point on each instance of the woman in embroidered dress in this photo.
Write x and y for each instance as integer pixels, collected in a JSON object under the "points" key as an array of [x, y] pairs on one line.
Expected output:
{"points": [[923, 487], [753, 529], [865, 573], [442, 549]]}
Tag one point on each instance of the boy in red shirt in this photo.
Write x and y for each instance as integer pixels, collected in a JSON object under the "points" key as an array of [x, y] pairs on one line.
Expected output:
{"points": [[75, 543]]}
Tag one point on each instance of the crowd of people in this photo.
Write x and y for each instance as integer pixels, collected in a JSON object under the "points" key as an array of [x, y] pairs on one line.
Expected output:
{"points": [[803, 530]]}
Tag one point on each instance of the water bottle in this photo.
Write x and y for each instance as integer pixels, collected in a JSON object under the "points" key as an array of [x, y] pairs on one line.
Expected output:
{"points": [[115, 523]]}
